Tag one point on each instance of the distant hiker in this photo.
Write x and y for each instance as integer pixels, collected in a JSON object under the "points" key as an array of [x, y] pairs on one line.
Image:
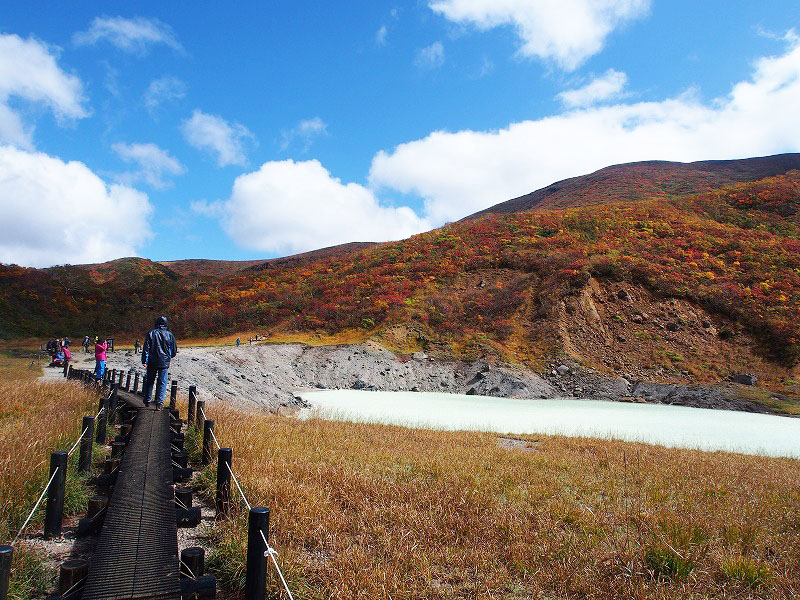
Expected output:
{"points": [[67, 356], [136, 347], [100, 348], [159, 348], [250, 340], [238, 341], [86, 344]]}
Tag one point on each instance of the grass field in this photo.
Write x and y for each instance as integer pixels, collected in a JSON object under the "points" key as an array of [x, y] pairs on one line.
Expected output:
{"points": [[366, 511], [35, 419]]}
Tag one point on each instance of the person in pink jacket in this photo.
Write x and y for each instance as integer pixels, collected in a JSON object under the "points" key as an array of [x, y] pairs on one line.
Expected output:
{"points": [[100, 358]]}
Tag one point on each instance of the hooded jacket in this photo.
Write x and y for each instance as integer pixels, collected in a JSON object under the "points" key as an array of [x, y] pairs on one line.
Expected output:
{"points": [[159, 346]]}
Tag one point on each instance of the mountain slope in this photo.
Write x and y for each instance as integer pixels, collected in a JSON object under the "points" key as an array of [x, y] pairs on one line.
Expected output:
{"points": [[644, 180], [677, 287]]}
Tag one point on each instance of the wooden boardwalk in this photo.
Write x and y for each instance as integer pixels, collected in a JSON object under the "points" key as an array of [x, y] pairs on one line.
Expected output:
{"points": [[137, 554]]}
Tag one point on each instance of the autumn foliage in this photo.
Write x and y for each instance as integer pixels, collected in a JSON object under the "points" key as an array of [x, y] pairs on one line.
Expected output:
{"points": [[734, 250]]}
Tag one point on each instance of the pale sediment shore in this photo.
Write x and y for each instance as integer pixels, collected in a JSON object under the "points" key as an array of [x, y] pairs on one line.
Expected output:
{"points": [[270, 376]]}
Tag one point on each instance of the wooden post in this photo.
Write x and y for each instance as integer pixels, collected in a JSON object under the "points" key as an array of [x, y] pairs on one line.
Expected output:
{"points": [[183, 497], [192, 404], [111, 405], [128, 382], [85, 457], [192, 562], [96, 504], [256, 573], [6, 557], [72, 572], [54, 511], [102, 420], [173, 394], [223, 497], [117, 448], [200, 413], [136, 382]]}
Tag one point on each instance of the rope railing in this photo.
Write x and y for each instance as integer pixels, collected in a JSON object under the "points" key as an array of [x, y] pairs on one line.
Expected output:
{"points": [[269, 550], [78, 441], [53, 475], [38, 502], [272, 553]]}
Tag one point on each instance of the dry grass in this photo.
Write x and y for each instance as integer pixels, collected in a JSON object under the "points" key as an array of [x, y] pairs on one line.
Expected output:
{"points": [[364, 511], [35, 419]]}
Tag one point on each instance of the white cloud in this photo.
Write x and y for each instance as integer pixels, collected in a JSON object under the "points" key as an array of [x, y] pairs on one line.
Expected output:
{"points": [[288, 207], [163, 90], [55, 212], [208, 209], [566, 31], [606, 87], [306, 131], [130, 35], [487, 66], [28, 70], [380, 36], [466, 171], [154, 163], [430, 57], [218, 136]]}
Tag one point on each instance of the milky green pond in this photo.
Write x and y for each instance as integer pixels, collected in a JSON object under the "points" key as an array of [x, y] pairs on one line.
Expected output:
{"points": [[675, 426]]}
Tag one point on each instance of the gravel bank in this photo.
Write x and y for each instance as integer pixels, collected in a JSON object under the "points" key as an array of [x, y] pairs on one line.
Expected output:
{"points": [[269, 377]]}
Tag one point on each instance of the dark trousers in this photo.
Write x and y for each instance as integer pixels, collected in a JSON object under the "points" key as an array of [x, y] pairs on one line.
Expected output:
{"points": [[159, 377]]}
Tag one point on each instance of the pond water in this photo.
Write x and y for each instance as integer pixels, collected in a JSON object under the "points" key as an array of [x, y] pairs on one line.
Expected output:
{"points": [[676, 426]]}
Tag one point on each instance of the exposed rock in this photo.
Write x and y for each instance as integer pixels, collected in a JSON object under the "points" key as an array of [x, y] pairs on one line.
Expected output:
{"points": [[286, 369], [622, 295], [744, 379], [672, 326]]}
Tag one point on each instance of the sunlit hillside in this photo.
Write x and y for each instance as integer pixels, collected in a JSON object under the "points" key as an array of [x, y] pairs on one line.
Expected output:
{"points": [[519, 285]]}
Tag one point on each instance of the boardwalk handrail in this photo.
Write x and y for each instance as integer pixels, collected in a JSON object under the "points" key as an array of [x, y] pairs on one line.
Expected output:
{"points": [[35, 506], [269, 550], [55, 502]]}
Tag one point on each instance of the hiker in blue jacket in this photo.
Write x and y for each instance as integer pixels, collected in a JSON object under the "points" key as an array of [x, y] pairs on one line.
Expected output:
{"points": [[159, 348]]}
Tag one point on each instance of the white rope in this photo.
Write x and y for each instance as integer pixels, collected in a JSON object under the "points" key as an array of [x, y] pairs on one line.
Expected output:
{"points": [[238, 486], [38, 502], [272, 553], [75, 445]]}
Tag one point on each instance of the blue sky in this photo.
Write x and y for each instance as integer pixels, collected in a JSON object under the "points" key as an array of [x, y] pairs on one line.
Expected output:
{"points": [[251, 130]]}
